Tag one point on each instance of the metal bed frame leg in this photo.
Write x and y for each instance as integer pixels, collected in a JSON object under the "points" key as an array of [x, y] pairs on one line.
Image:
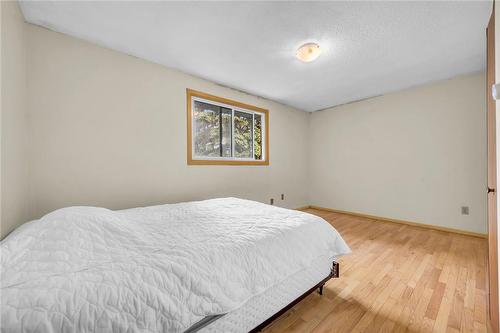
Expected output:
{"points": [[334, 273]]}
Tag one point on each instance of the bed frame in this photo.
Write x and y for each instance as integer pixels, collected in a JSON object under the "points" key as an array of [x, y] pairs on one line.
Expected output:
{"points": [[334, 273]]}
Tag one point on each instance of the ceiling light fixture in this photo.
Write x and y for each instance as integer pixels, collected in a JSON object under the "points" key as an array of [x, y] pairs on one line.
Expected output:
{"points": [[308, 52]]}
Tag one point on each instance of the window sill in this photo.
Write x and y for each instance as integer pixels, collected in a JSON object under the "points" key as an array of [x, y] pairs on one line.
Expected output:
{"points": [[225, 162]]}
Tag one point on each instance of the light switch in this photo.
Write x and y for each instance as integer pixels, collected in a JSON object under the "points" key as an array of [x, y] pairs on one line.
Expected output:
{"points": [[495, 91]]}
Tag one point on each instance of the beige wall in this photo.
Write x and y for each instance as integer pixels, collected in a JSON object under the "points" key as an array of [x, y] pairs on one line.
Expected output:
{"points": [[107, 129], [110, 130], [14, 131], [416, 155]]}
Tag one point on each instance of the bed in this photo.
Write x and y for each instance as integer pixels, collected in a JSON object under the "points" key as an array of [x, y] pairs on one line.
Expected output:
{"points": [[216, 265]]}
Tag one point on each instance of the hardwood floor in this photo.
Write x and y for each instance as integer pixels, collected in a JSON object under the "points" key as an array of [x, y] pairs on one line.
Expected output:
{"points": [[398, 278]]}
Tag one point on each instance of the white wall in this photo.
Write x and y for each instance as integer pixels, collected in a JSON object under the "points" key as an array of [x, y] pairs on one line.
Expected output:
{"points": [[14, 131], [110, 130], [416, 155]]}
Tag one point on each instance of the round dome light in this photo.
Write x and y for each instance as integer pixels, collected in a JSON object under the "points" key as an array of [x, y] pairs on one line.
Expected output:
{"points": [[308, 52]]}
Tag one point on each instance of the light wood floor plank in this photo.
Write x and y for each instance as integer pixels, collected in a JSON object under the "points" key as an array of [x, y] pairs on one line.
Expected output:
{"points": [[398, 278]]}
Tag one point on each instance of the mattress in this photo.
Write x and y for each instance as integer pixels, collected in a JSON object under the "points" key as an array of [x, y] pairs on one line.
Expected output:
{"points": [[263, 306]]}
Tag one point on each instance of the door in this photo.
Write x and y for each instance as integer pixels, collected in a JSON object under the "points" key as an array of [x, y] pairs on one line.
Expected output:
{"points": [[492, 182]]}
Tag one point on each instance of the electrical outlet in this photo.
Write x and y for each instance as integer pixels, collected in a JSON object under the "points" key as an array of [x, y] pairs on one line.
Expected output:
{"points": [[465, 210], [271, 201], [282, 196]]}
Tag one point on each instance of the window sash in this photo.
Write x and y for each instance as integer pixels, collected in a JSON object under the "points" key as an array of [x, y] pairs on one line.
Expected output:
{"points": [[233, 109]]}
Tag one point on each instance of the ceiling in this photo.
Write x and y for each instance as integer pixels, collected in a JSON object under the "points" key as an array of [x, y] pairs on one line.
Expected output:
{"points": [[369, 48]]}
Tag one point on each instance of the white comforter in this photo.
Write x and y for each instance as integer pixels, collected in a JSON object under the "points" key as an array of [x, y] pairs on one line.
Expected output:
{"points": [[153, 269]]}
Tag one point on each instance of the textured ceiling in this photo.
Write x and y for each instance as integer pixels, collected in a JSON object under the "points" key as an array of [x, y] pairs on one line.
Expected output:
{"points": [[369, 48]]}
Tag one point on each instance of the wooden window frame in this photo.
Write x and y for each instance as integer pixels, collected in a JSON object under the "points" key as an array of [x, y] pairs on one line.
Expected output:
{"points": [[190, 94]]}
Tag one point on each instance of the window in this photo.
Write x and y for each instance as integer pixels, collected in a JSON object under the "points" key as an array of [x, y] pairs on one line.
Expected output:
{"points": [[221, 131]]}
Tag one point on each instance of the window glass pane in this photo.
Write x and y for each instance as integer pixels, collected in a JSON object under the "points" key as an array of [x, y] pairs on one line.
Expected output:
{"points": [[243, 125], [226, 132], [206, 129], [257, 125]]}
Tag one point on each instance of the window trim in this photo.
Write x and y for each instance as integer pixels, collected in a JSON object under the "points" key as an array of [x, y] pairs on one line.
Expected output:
{"points": [[191, 96]]}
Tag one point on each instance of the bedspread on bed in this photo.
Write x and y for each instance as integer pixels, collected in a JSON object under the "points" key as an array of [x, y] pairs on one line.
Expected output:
{"points": [[152, 269]]}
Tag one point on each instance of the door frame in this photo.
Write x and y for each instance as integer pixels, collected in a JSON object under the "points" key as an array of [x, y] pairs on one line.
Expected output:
{"points": [[493, 309]]}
